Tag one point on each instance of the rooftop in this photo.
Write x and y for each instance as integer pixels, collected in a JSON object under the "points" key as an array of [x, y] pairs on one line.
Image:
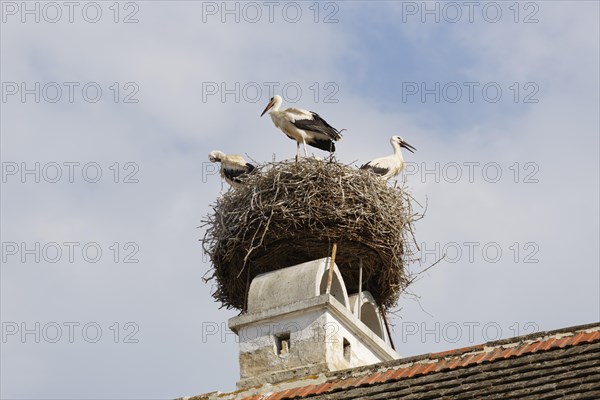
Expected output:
{"points": [[564, 363]]}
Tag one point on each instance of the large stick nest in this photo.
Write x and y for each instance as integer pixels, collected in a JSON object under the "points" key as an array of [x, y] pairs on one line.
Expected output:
{"points": [[289, 213]]}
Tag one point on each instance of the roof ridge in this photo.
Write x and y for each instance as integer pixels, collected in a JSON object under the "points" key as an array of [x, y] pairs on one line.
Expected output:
{"points": [[512, 342], [448, 360], [516, 348]]}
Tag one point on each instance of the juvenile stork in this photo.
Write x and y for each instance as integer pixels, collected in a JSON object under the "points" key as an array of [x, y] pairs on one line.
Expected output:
{"points": [[303, 126], [233, 167], [390, 166]]}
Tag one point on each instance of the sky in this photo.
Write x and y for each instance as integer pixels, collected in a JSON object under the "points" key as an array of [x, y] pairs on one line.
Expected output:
{"points": [[109, 110]]}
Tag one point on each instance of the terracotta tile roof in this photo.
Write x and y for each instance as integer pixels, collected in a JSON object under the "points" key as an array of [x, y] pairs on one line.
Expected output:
{"points": [[545, 365]]}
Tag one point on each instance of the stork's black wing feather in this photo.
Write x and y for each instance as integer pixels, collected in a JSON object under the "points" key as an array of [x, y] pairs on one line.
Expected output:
{"points": [[323, 144], [235, 174], [375, 169], [318, 124]]}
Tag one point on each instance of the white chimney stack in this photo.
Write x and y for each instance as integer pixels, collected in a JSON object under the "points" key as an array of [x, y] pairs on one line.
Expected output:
{"points": [[293, 328]]}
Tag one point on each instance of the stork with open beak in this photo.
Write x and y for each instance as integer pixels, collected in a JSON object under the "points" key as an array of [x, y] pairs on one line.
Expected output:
{"points": [[390, 166], [303, 126], [233, 167]]}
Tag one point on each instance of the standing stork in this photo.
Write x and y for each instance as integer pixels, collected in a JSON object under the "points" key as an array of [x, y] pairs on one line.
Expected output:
{"points": [[390, 166], [233, 167], [303, 126]]}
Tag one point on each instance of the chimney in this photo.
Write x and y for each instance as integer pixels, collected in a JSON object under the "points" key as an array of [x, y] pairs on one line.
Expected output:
{"points": [[293, 328]]}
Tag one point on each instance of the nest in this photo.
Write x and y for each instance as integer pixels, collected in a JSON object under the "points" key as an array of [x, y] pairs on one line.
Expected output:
{"points": [[292, 212]]}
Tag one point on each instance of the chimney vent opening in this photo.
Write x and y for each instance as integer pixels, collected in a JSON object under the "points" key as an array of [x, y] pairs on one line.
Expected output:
{"points": [[347, 350], [282, 343]]}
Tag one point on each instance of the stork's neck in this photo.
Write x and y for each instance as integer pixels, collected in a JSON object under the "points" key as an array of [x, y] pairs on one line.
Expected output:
{"points": [[397, 150]]}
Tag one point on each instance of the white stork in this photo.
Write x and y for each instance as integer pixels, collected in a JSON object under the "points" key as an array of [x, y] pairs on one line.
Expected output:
{"points": [[390, 166], [303, 126], [233, 167]]}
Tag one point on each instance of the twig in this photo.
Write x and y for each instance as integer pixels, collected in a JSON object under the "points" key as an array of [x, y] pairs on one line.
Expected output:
{"points": [[331, 265]]}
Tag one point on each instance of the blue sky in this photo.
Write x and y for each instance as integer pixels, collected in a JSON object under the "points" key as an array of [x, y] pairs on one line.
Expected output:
{"points": [[541, 212]]}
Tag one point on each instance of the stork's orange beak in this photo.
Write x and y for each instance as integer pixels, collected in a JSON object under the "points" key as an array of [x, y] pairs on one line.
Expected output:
{"points": [[267, 107]]}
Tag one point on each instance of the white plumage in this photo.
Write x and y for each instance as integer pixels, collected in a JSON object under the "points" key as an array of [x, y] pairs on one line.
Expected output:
{"points": [[303, 126], [390, 166], [233, 166]]}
